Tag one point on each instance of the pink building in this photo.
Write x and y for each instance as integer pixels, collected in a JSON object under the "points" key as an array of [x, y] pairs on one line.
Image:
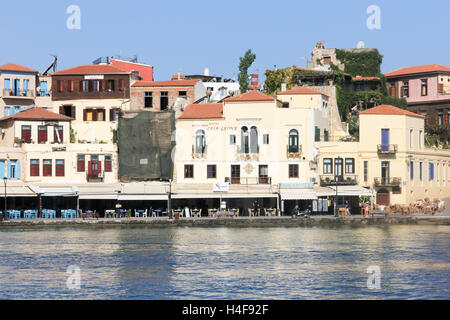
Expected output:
{"points": [[426, 89]]}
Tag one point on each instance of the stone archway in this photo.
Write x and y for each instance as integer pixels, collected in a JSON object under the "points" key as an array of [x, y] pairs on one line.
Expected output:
{"points": [[383, 197]]}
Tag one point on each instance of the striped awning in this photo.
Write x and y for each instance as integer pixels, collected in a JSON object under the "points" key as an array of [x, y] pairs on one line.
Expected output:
{"points": [[298, 194]]}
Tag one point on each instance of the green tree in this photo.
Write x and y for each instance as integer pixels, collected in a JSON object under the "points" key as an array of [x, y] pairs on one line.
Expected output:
{"points": [[244, 65]]}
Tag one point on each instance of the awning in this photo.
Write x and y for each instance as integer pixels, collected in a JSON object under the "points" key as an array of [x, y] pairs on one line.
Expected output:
{"points": [[224, 195], [54, 191], [298, 194], [137, 197], [355, 191], [98, 196], [16, 191]]}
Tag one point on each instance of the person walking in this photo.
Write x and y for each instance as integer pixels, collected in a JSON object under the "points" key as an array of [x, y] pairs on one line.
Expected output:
{"points": [[366, 209]]}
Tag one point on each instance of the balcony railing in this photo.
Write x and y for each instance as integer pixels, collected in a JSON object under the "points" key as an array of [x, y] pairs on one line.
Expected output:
{"points": [[346, 180], [387, 148], [294, 152], [388, 182], [18, 94], [250, 181], [248, 150], [94, 176], [199, 153]]}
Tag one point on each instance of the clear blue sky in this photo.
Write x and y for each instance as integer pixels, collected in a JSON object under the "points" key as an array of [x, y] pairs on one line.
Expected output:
{"points": [[188, 36]]}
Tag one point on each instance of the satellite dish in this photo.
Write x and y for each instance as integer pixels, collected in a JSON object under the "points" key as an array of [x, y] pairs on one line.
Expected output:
{"points": [[361, 45]]}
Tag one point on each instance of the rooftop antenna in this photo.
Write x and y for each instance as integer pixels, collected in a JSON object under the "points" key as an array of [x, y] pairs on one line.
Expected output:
{"points": [[53, 65]]}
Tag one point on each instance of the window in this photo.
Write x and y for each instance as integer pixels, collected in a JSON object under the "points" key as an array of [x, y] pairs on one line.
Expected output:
{"points": [[26, 134], [293, 145], [254, 148], [350, 165], [235, 174], [59, 168], [59, 134], [81, 163], [113, 114], [317, 134], [182, 94], [420, 139], [47, 168], [338, 167], [265, 139], [7, 84], [424, 88], [326, 60], [359, 86], [94, 115], [366, 171], [293, 171], [188, 171], [245, 140], [122, 84], [211, 171], [108, 163], [43, 88], [328, 166], [285, 105], [34, 168], [71, 85], [60, 85], [42, 134], [405, 89], [411, 169], [263, 174], [14, 169], [431, 171], [232, 139], [164, 100], [68, 110], [200, 142], [110, 86], [326, 135], [26, 84], [420, 171], [84, 85], [148, 100], [96, 85], [440, 118]]}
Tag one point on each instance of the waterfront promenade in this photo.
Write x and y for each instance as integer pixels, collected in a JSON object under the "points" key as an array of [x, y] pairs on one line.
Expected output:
{"points": [[284, 221]]}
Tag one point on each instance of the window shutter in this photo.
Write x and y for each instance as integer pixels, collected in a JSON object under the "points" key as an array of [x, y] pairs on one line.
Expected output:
{"points": [[89, 167], [61, 110], [84, 115], [81, 85], [105, 85], [99, 167], [436, 119], [446, 118], [94, 115], [111, 114], [74, 112], [2, 169], [17, 170]]}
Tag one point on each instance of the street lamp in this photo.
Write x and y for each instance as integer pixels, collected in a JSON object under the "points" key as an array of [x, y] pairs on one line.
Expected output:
{"points": [[5, 214]]}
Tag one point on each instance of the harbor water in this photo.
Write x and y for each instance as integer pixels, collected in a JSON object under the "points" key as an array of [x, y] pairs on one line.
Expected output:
{"points": [[225, 263]]}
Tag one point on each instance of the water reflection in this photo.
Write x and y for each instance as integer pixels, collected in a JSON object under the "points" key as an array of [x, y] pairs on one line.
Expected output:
{"points": [[225, 263]]}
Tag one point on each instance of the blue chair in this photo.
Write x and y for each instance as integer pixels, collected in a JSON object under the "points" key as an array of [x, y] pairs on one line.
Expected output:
{"points": [[30, 214], [49, 214], [14, 214], [69, 214]]}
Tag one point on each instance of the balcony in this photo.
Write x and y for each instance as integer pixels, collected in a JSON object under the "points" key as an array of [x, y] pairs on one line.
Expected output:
{"points": [[199, 153], [294, 152], [19, 94], [387, 148], [247, 154], [347, 180], [250, 181], [387, 182], [94, 176]]}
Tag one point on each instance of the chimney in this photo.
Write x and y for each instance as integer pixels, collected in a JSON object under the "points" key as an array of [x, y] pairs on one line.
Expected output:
{"points": [[206, 72], [179, 75]]}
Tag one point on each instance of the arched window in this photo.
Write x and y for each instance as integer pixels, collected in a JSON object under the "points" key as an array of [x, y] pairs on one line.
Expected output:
{"points": [[245, 140], [293, 141], [200, 142], [253, 140]]}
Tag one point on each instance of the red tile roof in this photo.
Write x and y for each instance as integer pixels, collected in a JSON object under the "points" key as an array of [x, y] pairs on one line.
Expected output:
{"points": [[387, 109], [145, 71], [37, 114], [203, 111], [169, 83], [92, 69], [419, 69], [253, 95], [300, 90], [16, 67]]}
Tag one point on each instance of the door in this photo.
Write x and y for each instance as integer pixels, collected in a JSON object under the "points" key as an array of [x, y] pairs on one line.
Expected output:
{"points": [[43, 88], [235, 174], [338, 169], [384, 140], [385, 172], [383, 197], [263, 174]]}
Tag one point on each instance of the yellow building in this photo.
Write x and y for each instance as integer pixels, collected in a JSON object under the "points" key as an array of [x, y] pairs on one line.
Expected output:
{"points": [[390, 159]]}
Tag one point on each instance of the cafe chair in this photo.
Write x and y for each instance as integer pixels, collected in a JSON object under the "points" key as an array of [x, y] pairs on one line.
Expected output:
{"points": [[251, 213]]}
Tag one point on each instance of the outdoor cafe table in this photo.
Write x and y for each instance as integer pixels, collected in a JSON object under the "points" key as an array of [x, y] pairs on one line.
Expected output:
{"points": [[270, 212], [230, 213]]}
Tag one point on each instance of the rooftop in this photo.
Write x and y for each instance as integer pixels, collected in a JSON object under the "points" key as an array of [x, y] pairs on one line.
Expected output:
{"points": [[418, 69], [91, 69], [203, 111], [16, 67], [37, 114], [253, 95], [169, 83], [391, 110]]}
